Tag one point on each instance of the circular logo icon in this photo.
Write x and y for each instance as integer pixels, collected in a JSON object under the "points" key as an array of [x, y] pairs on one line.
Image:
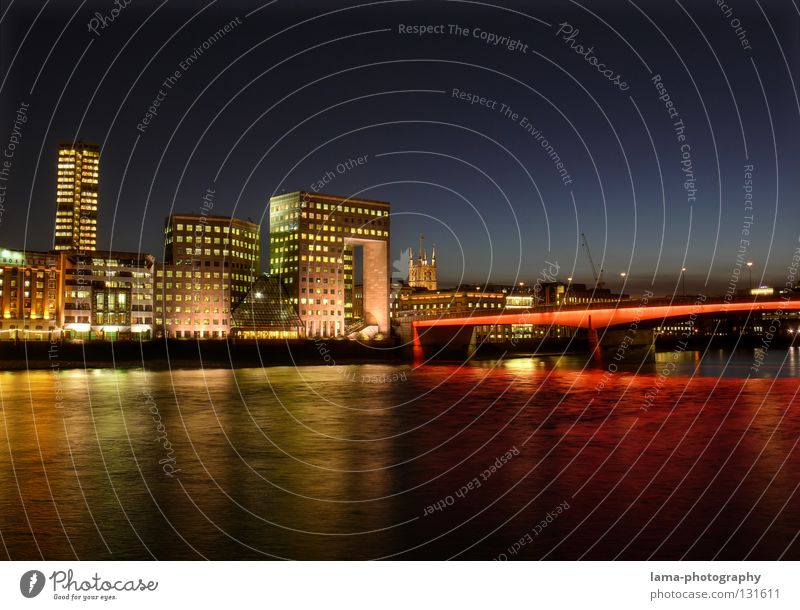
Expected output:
{"points": [[31, 583]]}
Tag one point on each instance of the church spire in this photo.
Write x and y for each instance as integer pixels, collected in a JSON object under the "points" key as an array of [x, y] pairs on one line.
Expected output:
{"points": [[421, 273]]}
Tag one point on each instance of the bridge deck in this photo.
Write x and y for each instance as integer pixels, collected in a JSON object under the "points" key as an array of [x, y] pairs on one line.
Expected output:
{"points": [[601, 315]]}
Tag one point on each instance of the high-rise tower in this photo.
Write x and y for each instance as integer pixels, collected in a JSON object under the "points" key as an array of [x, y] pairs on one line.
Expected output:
{"points": [[76, 196]]}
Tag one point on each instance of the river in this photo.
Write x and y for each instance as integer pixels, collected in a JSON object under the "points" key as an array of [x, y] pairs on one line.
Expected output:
{"points": [[523, 458]]}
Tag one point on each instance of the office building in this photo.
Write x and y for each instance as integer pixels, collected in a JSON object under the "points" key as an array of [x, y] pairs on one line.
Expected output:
{"points": [[314, 239], [210, 264], [77, 196], [107, 295]]}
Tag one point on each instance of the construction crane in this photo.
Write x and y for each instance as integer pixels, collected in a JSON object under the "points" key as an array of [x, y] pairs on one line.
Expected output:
{"points": [[598, 276]]}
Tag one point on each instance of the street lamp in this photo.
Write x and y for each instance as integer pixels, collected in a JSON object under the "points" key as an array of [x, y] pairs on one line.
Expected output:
{"points": [[683, 279], [750, 275]]}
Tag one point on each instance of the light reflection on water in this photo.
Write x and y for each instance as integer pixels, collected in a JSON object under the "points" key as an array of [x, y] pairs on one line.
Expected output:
{"points": [[343, 461]]}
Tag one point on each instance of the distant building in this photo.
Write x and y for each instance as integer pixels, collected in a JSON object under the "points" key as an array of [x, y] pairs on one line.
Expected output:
{"points": [[571, 294], [77, 196], [266, 313], [107, 295], [463, 301], [30, 295], [553, 294], [210, 264], [397, 291], [422, 273], [469, 301], [313, 239], [519, 301]]}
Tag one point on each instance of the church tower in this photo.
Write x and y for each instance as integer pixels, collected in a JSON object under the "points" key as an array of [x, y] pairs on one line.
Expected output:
{"points": [[422, 273]]}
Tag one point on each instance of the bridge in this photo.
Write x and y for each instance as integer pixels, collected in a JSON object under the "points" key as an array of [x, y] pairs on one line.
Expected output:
{"points": [[456, 330]]}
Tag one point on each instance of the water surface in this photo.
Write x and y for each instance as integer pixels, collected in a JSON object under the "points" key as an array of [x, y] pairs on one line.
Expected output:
{"points": [[351, 462]]}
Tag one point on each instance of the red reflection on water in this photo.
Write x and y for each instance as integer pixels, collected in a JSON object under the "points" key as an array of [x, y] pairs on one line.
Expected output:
{"points": [[313, 463]]}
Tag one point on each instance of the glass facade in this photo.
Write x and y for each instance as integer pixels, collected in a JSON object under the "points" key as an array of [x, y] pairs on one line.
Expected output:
{"points": [[266, 313]]}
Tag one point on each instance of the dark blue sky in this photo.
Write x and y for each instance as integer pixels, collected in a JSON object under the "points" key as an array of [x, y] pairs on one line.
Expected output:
{"points": [[292, 91]]}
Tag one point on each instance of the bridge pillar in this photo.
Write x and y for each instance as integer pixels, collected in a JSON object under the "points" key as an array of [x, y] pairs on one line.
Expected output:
{"points": [[417, 353], [439, 341], [626, 345], [595, 349]]}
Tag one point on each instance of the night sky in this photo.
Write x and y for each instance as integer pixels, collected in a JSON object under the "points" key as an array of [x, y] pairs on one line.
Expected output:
{"points": [[294, 89]]}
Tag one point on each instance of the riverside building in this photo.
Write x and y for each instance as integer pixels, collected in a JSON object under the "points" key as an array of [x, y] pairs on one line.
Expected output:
{"points": [[313, 241], [210, 264]]}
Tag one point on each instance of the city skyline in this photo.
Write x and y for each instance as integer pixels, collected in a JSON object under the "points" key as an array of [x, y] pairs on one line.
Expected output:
{"points": [[84, 219], [151, 172]]}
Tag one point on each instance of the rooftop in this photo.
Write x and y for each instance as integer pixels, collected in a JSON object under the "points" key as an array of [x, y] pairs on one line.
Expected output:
{"points": [[328, 197]]}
